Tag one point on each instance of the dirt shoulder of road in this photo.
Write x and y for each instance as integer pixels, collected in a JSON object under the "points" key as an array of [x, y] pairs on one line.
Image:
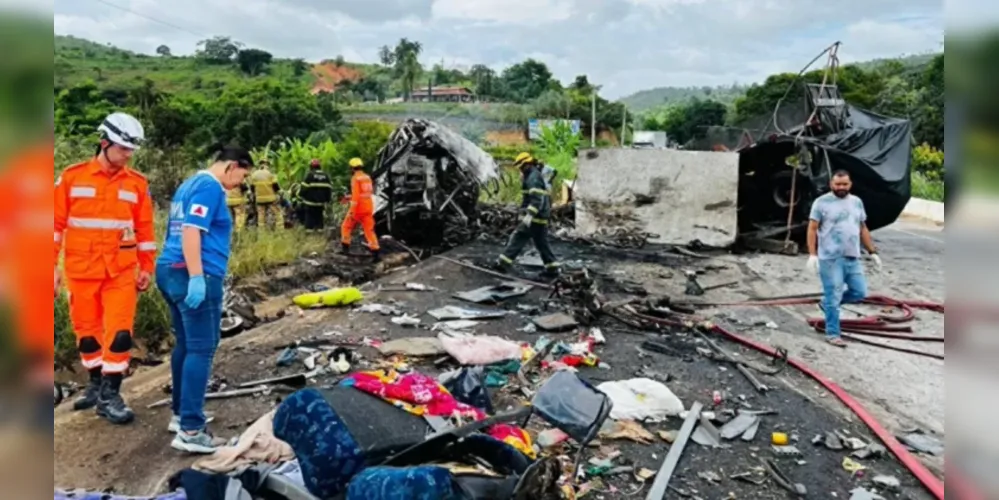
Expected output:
{"points": [[137, 459]]}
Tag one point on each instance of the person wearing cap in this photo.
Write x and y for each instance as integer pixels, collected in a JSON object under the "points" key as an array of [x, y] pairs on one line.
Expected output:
{"points": [[361, 210], [104, 220], [315, 193], [266, 192], [536, 205], [189, 274]]}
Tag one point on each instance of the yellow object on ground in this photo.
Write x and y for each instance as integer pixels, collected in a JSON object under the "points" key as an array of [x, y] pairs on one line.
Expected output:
{"points": [[335, 297], [779, 438]]}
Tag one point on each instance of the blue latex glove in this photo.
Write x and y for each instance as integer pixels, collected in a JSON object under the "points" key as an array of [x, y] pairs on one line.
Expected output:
{"points": [[195, 291]]}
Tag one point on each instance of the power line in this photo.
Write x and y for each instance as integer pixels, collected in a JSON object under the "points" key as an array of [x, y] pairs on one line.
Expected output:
{"points": [[153, 19]]}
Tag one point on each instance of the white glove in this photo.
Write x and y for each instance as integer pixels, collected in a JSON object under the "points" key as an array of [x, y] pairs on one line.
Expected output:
{"points": [[813, 263], [877, 262], [526, 221]]}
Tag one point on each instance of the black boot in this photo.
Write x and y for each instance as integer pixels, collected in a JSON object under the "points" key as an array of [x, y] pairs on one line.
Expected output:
{"points": [[92, 392], [376, 256], [111, 406], [345, 248]]}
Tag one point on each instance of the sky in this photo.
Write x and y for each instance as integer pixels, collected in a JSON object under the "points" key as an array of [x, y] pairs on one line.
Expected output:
{"points": [[623, 45]]}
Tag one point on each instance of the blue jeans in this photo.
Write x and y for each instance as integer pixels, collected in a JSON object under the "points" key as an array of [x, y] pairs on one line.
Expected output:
{"points": [[197, 332], [835, 274]]}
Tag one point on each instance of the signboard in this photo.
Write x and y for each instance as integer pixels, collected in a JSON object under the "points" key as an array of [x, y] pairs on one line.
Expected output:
{"points": [[534, 127]]}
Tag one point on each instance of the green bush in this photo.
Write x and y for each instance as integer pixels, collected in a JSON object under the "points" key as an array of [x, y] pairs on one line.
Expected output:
{"points": [[927, 188], [928, 161]]}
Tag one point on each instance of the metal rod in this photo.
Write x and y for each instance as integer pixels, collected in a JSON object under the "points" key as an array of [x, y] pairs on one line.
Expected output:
{"points": [[494, 273], [658, 490]]}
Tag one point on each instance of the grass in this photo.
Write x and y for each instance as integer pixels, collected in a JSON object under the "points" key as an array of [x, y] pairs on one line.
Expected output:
{"points": [[927, 189]]}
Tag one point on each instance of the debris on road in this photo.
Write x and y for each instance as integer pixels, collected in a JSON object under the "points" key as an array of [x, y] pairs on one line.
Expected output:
{"points": [[412, 346], [641, 399]]}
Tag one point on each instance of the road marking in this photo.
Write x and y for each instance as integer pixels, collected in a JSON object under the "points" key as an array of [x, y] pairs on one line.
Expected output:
{"points": [[938, 240]]}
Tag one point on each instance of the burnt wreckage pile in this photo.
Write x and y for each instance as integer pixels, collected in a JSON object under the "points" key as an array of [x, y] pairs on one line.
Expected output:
{"points": [[428, 179]]}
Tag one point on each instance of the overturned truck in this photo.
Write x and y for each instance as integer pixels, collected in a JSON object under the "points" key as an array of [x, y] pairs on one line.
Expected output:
{"points": [[428, 179], [752, 188]]}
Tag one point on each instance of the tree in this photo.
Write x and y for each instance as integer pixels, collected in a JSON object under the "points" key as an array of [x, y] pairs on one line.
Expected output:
{"points": [[684, 123], [581, 84], [526, 80], [145, 96], [253, 61], [339, 61], [552, 104], [218, 50], [386, 56], [163, 50], [484, 80], [299, 67], [407, 64]]}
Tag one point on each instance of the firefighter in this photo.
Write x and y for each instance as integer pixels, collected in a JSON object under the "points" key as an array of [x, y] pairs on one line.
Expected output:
{"points": [[533, 226], [315, 193], [361, 210], [236, 201], [265, 190], [104, 219]]}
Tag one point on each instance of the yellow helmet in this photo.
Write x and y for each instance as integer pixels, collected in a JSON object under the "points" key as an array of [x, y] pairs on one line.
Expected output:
{"points": [[523, 158], [355, 163]]}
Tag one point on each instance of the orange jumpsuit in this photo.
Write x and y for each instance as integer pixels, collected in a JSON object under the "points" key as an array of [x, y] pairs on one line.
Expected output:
{"points": [[24, 233], [105, 221], [361, 210]]}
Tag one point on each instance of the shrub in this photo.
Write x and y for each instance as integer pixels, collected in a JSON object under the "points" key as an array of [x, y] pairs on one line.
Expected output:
{"points": [[928, 161], [926, 188]]}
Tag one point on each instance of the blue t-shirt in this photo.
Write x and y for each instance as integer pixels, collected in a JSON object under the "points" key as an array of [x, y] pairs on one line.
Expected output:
{"points": [[200, 202], [839, 221]]}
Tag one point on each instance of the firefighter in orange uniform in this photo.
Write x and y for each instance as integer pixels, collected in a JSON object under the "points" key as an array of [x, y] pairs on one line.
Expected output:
{"points": [[361, 210], [104, 220]]}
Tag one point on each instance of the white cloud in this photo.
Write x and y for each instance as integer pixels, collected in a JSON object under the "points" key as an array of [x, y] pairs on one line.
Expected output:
{"points": [[530, 12], [625, 45]]}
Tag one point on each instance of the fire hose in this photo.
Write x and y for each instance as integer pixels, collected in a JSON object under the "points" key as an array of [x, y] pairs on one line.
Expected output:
{"points": [[928, 480], [882, 324]]}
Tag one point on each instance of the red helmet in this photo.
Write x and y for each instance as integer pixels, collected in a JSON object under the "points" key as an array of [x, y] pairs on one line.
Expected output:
{"points": [[315, 163]]}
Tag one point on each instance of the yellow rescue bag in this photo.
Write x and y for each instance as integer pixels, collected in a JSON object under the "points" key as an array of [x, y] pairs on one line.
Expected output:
{"points": [[335, 297]]}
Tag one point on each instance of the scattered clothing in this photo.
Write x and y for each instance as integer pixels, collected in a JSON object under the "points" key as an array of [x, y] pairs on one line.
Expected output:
{"points": [[479, 349], [328, 454], [97, 495], [413, 346], [410, 483], [421, 395], [641, 399], [257, 445]]}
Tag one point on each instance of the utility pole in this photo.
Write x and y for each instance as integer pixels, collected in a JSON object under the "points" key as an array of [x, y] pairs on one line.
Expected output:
{"points": [[593, 119]]}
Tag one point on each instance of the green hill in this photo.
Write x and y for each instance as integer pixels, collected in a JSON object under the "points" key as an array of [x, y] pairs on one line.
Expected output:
{"points": [[77, 60], [645, 100]]}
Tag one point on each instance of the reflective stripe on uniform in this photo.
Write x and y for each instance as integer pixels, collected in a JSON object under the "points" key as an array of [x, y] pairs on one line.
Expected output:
{"points": [[536, 191], [147, 246], [58, 237], [92, 363], [128, 196], [82, 223], [115, 367], [540, 222], [506, 259], [553, 265], [82, 192], [533, 210]]}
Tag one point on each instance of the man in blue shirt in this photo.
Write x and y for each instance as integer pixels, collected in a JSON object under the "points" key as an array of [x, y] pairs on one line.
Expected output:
{"points": [[836, 228], [189, 274]]}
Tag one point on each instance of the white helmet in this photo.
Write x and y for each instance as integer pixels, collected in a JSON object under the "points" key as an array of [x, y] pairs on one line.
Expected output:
{"points": [[122, 129]]}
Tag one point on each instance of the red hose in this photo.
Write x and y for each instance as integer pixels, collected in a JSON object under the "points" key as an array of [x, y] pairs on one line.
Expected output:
{"points": [[931, 482], [893, 347]]}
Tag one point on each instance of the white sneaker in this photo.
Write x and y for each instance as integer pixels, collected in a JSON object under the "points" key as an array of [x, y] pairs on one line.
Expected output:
{"points": [[201, 442], [174, 425]]}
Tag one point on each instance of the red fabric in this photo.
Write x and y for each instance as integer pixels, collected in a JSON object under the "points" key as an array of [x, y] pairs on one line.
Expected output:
{"points": [[422, 395]]}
